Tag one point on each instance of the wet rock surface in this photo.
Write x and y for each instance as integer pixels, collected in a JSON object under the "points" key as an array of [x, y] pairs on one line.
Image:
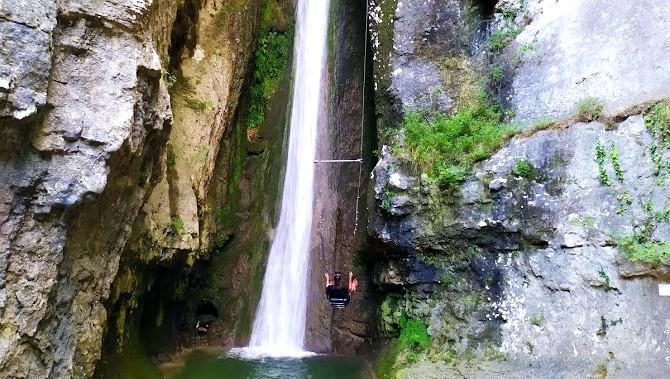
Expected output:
{"points": [[526, 268]]}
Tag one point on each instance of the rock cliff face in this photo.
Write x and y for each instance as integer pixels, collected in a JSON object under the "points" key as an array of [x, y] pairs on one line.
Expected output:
{"points": [[89, 140], [528, 259]]}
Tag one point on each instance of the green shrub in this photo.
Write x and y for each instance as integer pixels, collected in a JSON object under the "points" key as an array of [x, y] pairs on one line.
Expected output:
{"points": [[385, 367], [589, 109], [447, 147], [637, 248], [271, 59], [413, 333], [523, 168], [499, 39], [176, 225]]}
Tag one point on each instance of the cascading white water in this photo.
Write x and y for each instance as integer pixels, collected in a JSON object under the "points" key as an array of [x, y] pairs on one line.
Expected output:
{"points": [[279, 326]]}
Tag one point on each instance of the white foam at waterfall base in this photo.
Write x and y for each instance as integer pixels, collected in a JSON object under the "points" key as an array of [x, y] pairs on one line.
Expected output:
{"points": [[279, 326]]}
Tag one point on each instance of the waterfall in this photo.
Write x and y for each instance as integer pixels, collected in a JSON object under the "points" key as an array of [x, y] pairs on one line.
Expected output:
{"points": [[279, 326]]}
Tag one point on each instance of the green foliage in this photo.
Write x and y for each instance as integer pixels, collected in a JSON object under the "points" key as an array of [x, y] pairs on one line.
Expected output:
{"points": [[450, 358], [589, 109], [499, 39], [447, 147], [387, 195], [176, 225], [637, 248], [385, 367], [413, 333], [447, 279], [526, 48], [496, 73], [523, 168], [657, 121], [510, 14], [587, 222], [390, 315], [614, 156], [606, 278], [413, 357], [600, 157], [543, 123], [170, 79], [271, 59]]}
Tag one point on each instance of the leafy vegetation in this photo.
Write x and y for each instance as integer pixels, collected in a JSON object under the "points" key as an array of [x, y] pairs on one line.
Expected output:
{"points": [[500, 38], [413, 333], [447, 147], [606, 278], [614, 156], [589, 109], [657, 121], [387, 195], [637, 248], [600, 157], [272, 53], [176, 225], [523, 168]]}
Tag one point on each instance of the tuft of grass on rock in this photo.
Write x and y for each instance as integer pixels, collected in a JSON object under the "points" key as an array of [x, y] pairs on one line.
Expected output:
{"points": [[589, 109]]}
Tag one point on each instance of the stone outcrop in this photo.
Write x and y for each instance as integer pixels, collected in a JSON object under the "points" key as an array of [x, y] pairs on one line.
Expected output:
{"points": [[83, 104], [526, 265], [85, 118]]}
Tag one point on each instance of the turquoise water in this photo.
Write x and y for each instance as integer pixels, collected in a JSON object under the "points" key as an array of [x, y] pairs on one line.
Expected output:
{"points": [[200, 365]]}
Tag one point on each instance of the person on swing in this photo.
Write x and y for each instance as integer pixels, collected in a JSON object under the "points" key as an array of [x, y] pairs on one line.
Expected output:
{"points": [[339, 295]]}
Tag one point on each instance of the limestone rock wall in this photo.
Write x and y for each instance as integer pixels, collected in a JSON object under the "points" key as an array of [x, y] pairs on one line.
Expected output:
{"points": [[527, 268], [84, 123]]}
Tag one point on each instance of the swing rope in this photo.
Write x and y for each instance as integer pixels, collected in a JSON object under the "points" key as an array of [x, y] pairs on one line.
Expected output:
{"points": [[365, 67], [360, 153]]}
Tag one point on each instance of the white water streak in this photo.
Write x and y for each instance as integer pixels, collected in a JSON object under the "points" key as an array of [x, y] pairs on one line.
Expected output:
{"points": [[279, 326]]}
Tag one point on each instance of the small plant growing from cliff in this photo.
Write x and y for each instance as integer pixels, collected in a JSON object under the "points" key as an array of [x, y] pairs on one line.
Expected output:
{"points": [[589, 109], [496, 73], [614, 156], [447, 279], [606, 279], [413, 333], [543, 123], [657, 120], [386, 197], [523, 169], [600, 158], [176, 225], [499, 39], [526, 48]]}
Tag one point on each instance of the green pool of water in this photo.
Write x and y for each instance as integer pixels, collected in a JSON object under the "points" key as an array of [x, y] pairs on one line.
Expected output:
{"points": [[200, 365]]}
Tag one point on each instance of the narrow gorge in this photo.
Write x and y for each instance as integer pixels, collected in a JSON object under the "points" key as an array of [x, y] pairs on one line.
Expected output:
{"points": [[494, 174]]}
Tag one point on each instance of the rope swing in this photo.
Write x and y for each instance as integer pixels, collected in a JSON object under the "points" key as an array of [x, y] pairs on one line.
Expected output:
{"points": [[360, 153]]}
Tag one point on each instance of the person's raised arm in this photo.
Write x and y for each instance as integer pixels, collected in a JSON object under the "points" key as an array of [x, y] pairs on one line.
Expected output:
{"points": [[351, 276], [327, 280]]}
